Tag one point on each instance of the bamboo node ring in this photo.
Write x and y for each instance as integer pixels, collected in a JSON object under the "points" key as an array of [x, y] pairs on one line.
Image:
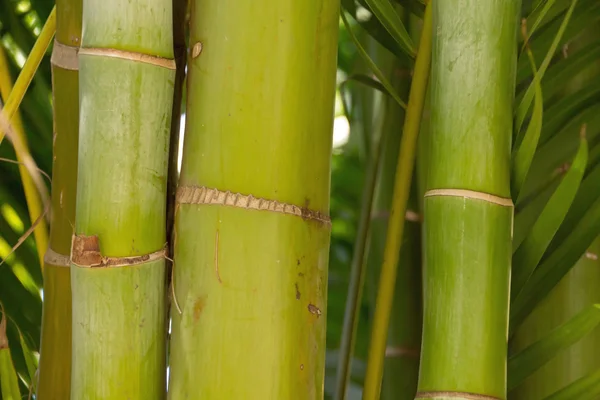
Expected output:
{"points": [[64, 56], [454, 395], [56, 259], [202, 195], [129, 55], [85, 253], [471, 194]]}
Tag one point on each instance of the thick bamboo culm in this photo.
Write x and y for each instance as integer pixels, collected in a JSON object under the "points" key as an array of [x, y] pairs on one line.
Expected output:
{"points": [[468, 211], [54, 379], [126, 78], [251, 226]]}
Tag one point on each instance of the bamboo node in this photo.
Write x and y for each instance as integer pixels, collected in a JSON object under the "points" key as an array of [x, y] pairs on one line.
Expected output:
{"points": [[129, 55], [85, 253], [56, 259], [209, 196], [64, 56], [471, 194], [454, 395], [400, 351]]}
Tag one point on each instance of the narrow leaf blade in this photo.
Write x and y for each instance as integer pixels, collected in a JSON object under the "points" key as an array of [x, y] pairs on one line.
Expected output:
{"points": [[386, 14], [586, 388], [523, 364], [529, 254]]}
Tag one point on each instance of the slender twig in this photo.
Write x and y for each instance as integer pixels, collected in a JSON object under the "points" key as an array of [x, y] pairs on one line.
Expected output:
{"points": [[404, 172]]}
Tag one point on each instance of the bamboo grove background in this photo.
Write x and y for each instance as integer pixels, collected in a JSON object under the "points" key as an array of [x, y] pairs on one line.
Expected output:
{"points": [[400, 307]]}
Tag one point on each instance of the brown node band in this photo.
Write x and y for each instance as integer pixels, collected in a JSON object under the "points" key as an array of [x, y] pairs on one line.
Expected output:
{"points": [[129, 55], [56, 259], [64, 56], [85, 253], [394, 352], [204, 195], [471, 194], [455, 395]]}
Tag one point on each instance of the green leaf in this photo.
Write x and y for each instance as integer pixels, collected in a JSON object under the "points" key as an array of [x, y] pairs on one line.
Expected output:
{"points": [[30, 359], [526, 362], [540, 16], [586, 388], [556, 265], [367, 81], [9, 383], [528, 97], [386, 14], [371, 64], [529, 254], [523, 156]]}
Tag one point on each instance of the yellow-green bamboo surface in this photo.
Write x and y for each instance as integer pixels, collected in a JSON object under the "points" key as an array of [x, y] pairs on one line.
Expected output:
{"points": [[249, 305], [126, 78], [468, 211], [54, 376]]}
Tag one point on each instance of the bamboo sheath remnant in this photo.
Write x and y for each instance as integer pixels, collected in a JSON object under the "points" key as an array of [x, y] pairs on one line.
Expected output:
{"points": [[204, 195], [64, 56], [85, 253], [56, 259], [129, 55]]}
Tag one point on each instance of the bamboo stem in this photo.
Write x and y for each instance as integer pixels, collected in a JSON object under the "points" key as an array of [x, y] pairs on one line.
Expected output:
{"points": [[54, 380], [118, 272], [251, 227], [404, 172], [468, 210]]}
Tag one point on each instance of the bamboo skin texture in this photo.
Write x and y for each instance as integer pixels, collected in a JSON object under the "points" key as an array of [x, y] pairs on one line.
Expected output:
{"points": [[468, 211], [118, 272], [251, 228], [54, 380]]}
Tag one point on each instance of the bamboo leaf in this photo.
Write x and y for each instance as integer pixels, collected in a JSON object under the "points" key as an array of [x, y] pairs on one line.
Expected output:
{"points": [[371, 64], [528, 97], [30, 359], [540, 16], [529, 254], [556, 265], [586, 388], [386, 14], [523, 156], [9, 383], [367, 81], [526, 362]]}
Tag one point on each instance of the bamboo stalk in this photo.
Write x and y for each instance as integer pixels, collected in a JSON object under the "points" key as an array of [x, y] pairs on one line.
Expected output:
{"points": [[118, 272], [54, 379], [468, 211], [251, 226], [402, 184]]}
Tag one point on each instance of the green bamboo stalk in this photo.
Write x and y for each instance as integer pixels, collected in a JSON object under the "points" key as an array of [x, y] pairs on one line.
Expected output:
{"points": [[249, 304], [402, 185], [54, 376], [468, 211], [118, 273], [9, 384]]}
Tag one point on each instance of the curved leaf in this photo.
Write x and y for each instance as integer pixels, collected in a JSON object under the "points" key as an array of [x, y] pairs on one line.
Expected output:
{"points": [[586, 388], [526, 362], [523, 107], [529, 254], [386, 14], [371, 64]]}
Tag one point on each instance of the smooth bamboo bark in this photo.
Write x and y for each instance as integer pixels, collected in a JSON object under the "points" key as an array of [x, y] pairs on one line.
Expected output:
{"points": [[54, 380], [126, 79], [249, 309], [468, 234]]}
